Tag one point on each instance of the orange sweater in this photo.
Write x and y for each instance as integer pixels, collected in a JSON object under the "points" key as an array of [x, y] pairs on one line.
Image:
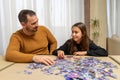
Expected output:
{"points": [[22, 48]]}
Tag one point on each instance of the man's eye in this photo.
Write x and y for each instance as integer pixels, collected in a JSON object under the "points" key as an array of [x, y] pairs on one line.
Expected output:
{"points": [[33, 23]]}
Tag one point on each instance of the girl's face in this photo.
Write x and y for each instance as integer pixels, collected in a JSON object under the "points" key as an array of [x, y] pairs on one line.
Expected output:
{"points": [[76, 34]]}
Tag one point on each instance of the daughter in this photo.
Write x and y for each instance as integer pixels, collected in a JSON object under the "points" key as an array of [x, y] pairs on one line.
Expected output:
{"points": [[79, 44]]}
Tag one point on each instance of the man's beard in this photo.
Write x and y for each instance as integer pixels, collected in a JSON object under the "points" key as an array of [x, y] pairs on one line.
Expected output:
{"points": [[33, 30]]}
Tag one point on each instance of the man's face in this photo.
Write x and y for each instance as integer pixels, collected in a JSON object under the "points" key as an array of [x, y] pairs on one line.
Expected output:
{"points": [[32, 24]]}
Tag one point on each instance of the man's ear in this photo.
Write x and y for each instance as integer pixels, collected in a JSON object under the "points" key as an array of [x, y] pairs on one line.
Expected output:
{"points": [[23, 24]]}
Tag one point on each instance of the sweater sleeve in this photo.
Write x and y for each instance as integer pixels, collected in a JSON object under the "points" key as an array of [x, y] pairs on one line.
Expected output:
{"points": [[95, 50], [52, 41], [13, 52], [64, 47]]}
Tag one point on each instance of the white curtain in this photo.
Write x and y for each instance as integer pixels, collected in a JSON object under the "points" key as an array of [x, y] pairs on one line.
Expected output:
{"points": [[113, 17], [57, 15]]}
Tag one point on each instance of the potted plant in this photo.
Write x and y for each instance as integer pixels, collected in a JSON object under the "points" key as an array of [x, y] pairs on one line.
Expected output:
{"points": [[96, 27]]}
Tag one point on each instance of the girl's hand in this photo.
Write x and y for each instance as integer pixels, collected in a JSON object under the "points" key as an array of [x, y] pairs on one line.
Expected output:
{"points": [[80, 53], [60, 54]]}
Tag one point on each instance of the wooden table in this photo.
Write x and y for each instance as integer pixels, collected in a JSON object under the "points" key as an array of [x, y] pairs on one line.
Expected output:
{"points": [[116, 58], [16, 72], [4, 64]]}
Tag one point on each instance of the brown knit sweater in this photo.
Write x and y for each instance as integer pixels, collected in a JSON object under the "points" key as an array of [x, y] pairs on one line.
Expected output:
{"points": [[22, 48]]}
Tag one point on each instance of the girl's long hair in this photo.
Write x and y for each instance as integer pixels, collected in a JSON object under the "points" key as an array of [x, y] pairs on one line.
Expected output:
{"points": [[84, 45]]}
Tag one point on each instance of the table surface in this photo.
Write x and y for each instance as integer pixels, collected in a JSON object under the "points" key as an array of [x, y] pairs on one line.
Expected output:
{"points": [[116, 58], [16, 72], [4, 64]]}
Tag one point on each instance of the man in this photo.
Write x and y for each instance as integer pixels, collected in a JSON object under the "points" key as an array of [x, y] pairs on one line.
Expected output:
{"points": [[31, 42]]}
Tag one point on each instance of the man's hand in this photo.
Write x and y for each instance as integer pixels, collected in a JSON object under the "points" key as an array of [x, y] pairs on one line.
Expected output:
{"points": [[60, 54], [43, 59]]}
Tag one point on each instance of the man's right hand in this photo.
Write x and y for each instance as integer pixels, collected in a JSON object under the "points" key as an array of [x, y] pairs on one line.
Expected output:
{"points": [[43, 59]]}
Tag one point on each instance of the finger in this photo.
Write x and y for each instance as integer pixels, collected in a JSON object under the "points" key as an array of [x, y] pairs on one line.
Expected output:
{"points": [[45, 63], [43, 60], [49, 61], [77, 54], [52, 61], [60, 55], [74, 53]]}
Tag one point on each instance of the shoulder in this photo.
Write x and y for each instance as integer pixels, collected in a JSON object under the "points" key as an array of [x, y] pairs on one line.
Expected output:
{"points": [[44, 30], [17, 35], [68, 42], [91, 42], [93, 45], [41, 27]]}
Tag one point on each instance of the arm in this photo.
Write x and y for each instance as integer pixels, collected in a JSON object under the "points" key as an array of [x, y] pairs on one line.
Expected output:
{"points": [[52, 41], [95, 50], [13, 51], [63, 48], [80, 53]]}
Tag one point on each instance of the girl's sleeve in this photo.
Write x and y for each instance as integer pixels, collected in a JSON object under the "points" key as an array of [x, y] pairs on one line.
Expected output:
{"points": [[95, 50], [64, 47]]}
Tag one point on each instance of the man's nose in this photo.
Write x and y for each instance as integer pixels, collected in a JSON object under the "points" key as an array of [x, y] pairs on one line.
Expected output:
{"points": [[36, 24]]}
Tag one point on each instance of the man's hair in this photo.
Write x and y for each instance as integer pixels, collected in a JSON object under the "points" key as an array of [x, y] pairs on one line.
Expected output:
{"points": [[22, 16]]}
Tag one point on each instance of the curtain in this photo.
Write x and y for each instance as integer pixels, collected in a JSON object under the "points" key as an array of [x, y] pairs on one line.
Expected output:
{"points": [[113, 17], [57, 15]]}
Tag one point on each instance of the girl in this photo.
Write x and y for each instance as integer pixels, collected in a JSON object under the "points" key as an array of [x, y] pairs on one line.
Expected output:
{"points": [[80, 44]]}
